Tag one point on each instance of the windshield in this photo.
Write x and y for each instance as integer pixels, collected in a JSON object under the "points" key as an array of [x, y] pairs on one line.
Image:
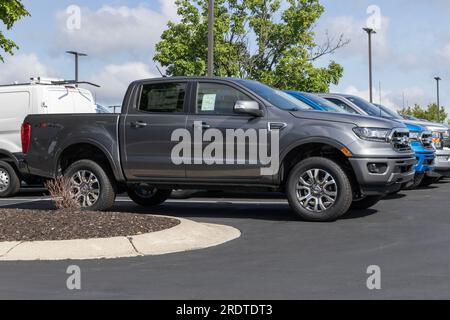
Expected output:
{"points": [[388, 113], [369, 108], [278, 98], [324, 103]]}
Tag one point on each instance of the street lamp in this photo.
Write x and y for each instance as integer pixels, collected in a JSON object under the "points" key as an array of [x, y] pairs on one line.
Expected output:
{"points": [[438, 99], [77, 55], [211, 38], [370, 31]]}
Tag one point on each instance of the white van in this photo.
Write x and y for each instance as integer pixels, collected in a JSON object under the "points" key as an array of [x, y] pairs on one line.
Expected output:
{"points": [[41, 96]]}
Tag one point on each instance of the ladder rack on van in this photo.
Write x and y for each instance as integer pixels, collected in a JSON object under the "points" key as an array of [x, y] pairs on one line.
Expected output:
{"points": [[54, 82]]}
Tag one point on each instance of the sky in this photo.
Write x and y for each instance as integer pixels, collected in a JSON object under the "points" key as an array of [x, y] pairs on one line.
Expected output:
{"points": [[410, 48]]}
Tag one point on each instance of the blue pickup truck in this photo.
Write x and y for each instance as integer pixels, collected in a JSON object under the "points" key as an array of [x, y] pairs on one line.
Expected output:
{"points": [[420, 139]]}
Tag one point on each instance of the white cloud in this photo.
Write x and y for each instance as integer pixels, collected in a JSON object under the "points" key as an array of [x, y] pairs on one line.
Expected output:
{"points": [[114, 80], [21, 68], [114, 30], [393, 99], [351, 28]]}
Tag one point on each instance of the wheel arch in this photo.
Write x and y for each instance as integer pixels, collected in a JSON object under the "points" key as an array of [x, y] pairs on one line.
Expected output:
{"points": [[89, 150], [311, 147]]}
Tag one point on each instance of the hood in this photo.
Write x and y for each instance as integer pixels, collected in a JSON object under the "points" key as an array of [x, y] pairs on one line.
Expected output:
{"points": [[430, 125], [357, 120], [414, 127]]}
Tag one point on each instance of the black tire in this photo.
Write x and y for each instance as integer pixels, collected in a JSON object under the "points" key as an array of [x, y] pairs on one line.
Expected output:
{"points": [[365, 203], [11, 185], [147, 196], [107, 194], [418, 178], [344, 194], [428, 181]]}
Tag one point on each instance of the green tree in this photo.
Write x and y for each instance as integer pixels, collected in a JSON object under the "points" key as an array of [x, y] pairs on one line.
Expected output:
{"points": [[430, 113], [256, 39], [10, 12]]}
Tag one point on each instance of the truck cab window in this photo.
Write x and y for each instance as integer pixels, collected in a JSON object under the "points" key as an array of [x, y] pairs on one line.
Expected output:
{"points": [[343, 105], [218, 99], [162, 98]]}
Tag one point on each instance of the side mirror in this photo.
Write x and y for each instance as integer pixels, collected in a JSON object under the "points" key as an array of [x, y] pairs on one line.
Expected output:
{"points": [[248, 107]]}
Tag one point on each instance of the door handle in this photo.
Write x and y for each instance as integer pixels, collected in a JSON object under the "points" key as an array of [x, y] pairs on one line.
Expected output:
{"points": [[139, 124], [203, 126]]}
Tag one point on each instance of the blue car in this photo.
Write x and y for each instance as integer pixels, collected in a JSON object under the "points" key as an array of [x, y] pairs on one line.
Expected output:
{"points": [[421, 142], [317, 103]]}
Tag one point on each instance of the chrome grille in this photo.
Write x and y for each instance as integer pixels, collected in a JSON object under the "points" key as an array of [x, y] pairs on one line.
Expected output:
{"points": [[400, 140], [427, 139], [447, 139]]}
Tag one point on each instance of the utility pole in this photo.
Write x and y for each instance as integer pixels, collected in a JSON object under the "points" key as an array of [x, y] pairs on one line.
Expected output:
{"points": [[76, 55], [211, 38], [438, 99], [370, 31], [379, 89]]}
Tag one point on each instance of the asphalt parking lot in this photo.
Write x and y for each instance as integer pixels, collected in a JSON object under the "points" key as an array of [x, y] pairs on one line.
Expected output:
{"points": [[277, 257]]}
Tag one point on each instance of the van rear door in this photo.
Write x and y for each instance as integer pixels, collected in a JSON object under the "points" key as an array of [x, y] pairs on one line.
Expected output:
{"points": [[14, 107]]}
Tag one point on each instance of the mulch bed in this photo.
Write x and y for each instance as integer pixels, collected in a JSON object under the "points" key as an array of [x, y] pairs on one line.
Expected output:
{"points": [[39, 225]]}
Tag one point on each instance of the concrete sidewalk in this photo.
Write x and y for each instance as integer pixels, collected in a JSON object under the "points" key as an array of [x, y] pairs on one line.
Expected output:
{"points": [[186, 236]]}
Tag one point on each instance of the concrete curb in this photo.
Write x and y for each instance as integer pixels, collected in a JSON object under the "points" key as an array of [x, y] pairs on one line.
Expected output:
{"points": [[188, 235]]}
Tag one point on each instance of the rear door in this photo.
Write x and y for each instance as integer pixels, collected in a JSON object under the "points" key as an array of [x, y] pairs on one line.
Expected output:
{"points": [[159, 109], [14, 107]]}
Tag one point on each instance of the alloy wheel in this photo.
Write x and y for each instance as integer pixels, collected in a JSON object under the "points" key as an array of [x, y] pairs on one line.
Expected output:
{"points": [[317, 190], [85, 188]]}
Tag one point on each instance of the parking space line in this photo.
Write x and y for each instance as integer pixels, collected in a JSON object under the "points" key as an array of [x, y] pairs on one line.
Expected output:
{"points": [[19, 201], [224, 201]]}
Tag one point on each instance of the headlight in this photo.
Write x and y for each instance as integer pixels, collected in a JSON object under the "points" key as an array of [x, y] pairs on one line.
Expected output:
{"points": [[414, 135], [373, 134]]}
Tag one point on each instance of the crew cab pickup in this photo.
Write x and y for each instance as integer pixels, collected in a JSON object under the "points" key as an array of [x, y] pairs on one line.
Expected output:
{"points": [[217, 134]]}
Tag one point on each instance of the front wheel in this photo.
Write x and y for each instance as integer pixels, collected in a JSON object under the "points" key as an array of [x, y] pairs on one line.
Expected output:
{"points": [[418, 178], [428, 181], [318, 189], [148, 196], [366, 202]]}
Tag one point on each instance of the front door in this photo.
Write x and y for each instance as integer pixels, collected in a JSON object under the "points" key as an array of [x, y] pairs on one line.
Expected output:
{"points": [[228, 147], [160, 110]]}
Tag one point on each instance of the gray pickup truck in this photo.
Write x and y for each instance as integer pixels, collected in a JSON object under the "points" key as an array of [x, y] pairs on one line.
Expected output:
{"points": [[219, 134]]}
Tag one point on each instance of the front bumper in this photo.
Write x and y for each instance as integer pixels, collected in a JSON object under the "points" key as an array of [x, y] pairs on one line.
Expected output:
{"points": [[398, 171], [442, 163], [425, 161]]}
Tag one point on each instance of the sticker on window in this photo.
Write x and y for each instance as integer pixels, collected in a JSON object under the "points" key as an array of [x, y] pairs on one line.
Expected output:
{"points": [[209, 102]]}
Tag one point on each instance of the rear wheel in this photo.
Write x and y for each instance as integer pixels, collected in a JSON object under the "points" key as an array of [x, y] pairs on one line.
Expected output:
{"points": [[318, 189], [91, 186], [148, 196], [366, 202], [9, 180]]}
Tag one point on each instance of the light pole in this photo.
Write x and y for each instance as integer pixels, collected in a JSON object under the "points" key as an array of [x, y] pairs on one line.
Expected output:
{"points": [[438, 99], [211, 38], [370, 31], [77, 55]]}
